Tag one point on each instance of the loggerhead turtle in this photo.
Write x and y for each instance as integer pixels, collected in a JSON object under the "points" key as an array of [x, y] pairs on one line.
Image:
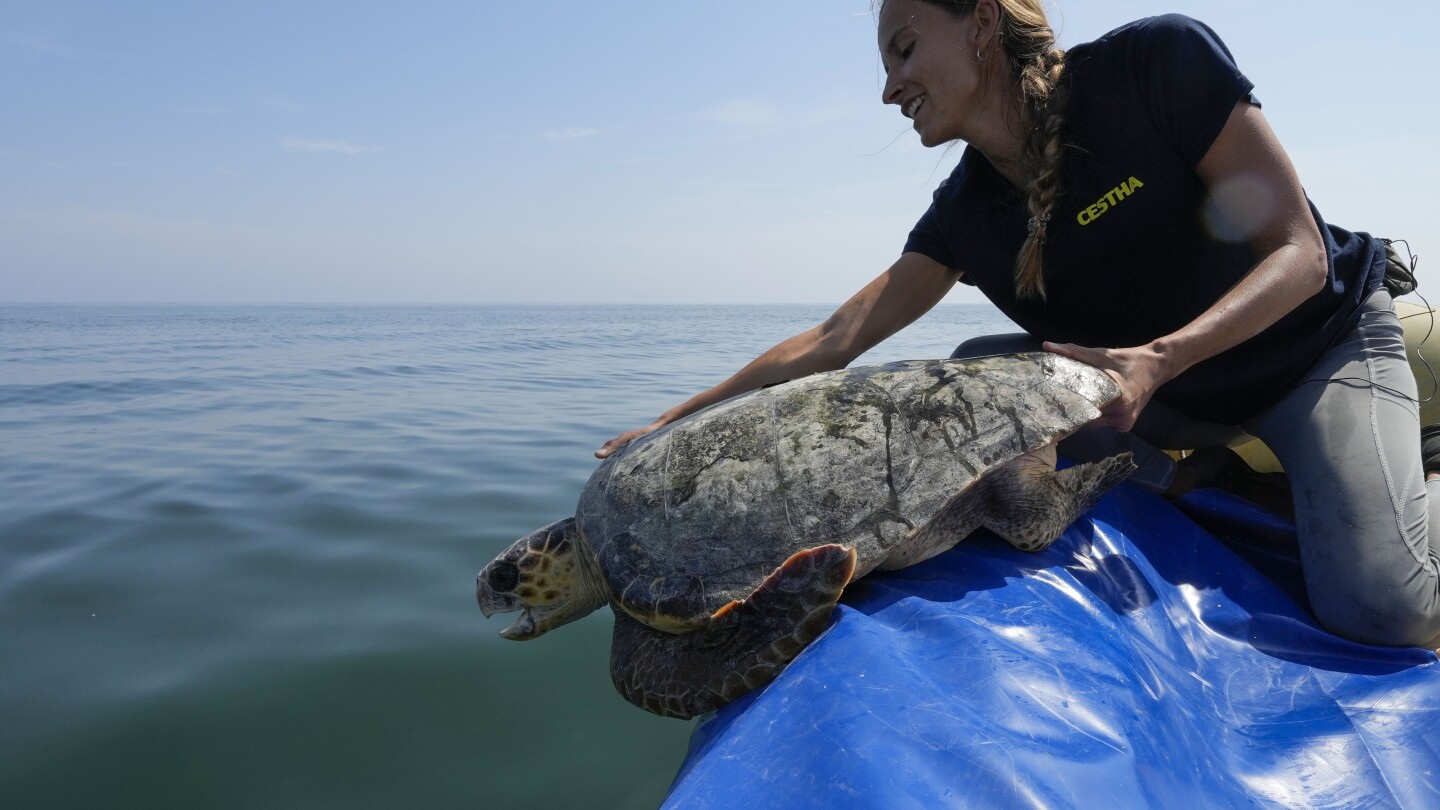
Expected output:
{"points": [[723, 540]]}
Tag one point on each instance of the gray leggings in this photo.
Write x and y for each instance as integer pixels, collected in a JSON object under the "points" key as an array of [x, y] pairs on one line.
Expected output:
{"points": [[1369, 539]]}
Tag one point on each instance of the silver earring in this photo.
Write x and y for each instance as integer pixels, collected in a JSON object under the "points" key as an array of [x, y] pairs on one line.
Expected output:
{"points": [[978, 57]]}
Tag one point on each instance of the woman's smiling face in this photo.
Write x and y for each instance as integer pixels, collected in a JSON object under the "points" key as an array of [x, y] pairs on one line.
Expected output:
{"points": [[930, 67]]}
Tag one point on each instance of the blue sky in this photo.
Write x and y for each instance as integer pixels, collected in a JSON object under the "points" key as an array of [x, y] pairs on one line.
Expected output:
{"points": [[547, 151]]}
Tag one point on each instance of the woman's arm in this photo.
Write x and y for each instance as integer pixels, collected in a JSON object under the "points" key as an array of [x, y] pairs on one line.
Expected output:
{"points": [[904, 292], [1254, 185]]}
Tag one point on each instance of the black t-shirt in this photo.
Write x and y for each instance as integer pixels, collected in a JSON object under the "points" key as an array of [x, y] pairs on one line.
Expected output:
{"points": [[1131, 252]]}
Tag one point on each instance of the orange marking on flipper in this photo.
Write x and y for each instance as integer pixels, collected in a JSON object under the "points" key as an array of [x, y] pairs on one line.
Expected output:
{"points": [[808, 553], [726, 609]]}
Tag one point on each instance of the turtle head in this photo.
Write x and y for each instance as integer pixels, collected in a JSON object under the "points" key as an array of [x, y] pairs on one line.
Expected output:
{"points": [[543, 574]]}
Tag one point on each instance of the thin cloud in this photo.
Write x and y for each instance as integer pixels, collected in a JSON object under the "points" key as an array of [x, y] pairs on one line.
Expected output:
{"points": [[40, 44], [569, 134], [338, 147], [742, 112], [763, 114], [281, 103], [205, 109]]}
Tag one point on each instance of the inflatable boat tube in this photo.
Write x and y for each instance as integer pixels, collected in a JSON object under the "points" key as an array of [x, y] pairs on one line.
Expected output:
{"points": [[1154, 656]]}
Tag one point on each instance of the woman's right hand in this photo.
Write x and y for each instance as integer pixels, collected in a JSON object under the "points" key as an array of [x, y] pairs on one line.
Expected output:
{"points": [[608, 448]]}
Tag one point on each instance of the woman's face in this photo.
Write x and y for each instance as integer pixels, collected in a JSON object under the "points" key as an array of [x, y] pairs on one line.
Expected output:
{"points": [[930, 68]]}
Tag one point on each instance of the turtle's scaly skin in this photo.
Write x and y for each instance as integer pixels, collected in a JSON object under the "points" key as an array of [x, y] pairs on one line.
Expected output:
{"points": [[697, 514]]}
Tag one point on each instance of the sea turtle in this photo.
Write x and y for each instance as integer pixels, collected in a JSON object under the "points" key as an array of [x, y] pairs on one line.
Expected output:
{"points": [[723, 540]]}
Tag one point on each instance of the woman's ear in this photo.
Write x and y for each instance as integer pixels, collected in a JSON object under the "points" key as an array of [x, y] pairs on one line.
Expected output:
{"points": [[987, 25]]}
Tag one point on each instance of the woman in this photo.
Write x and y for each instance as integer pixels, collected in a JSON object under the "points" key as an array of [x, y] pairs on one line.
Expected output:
{"points": [[1127, 204]]}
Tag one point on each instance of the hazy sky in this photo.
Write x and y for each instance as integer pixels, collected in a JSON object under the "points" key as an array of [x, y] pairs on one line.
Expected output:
{"points": [[542, 151]]}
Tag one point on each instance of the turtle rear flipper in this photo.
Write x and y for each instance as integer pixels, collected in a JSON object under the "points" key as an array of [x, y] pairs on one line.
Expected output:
{"points": [[744, 646], [1027, 502], [1031, 506]]}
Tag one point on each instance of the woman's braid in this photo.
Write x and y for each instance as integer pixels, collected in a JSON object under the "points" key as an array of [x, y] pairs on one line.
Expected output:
{"points": [[1040, 75]]}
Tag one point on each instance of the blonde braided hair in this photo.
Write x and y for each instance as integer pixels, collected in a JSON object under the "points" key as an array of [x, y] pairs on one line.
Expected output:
{"points": [[1039, 65]]}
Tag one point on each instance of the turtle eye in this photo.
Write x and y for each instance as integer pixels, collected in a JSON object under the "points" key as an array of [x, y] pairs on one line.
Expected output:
{"points": [[504, 577]]}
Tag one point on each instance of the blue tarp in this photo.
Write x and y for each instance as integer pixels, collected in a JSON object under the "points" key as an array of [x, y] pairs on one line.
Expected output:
{"points": [[1152, 657]]}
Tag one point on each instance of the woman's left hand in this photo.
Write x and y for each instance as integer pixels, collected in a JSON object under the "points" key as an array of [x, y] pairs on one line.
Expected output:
{"points": [[1139, 371], [1291, 266]]}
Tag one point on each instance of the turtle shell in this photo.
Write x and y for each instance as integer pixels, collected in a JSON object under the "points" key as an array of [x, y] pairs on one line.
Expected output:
{"points": [[697, 514]]}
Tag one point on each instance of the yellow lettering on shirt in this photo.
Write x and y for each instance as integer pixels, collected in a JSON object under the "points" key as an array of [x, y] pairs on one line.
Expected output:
{"points": [[1112, 198]]}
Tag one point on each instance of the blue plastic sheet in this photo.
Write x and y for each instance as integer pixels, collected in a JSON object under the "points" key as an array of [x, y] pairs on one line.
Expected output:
{"points": [[1150, 658]]}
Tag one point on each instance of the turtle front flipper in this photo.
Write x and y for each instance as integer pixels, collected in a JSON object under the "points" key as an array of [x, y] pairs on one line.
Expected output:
{"points": [[744, 646]]}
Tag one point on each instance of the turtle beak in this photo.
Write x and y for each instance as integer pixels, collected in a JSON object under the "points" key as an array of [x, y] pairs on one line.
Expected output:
{"points": [[491, 602], [523, 629]]}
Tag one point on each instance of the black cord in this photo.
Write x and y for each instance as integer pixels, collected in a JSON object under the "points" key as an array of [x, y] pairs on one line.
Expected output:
{"points": [[1429, 330], [1434, 381]]}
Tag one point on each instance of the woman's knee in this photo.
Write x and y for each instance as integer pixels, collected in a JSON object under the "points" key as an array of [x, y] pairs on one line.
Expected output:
{"points": [[1387, 620]]}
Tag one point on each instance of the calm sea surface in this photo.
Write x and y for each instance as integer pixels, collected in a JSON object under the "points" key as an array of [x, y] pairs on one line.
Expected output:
{"points": [[238, 547]]}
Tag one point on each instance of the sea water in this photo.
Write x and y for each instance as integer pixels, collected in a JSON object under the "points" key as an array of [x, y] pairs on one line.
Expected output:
{"points": [[238, 547]]}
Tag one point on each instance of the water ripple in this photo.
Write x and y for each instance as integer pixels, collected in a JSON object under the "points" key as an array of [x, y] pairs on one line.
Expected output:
{"points": [[204, 508]]}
